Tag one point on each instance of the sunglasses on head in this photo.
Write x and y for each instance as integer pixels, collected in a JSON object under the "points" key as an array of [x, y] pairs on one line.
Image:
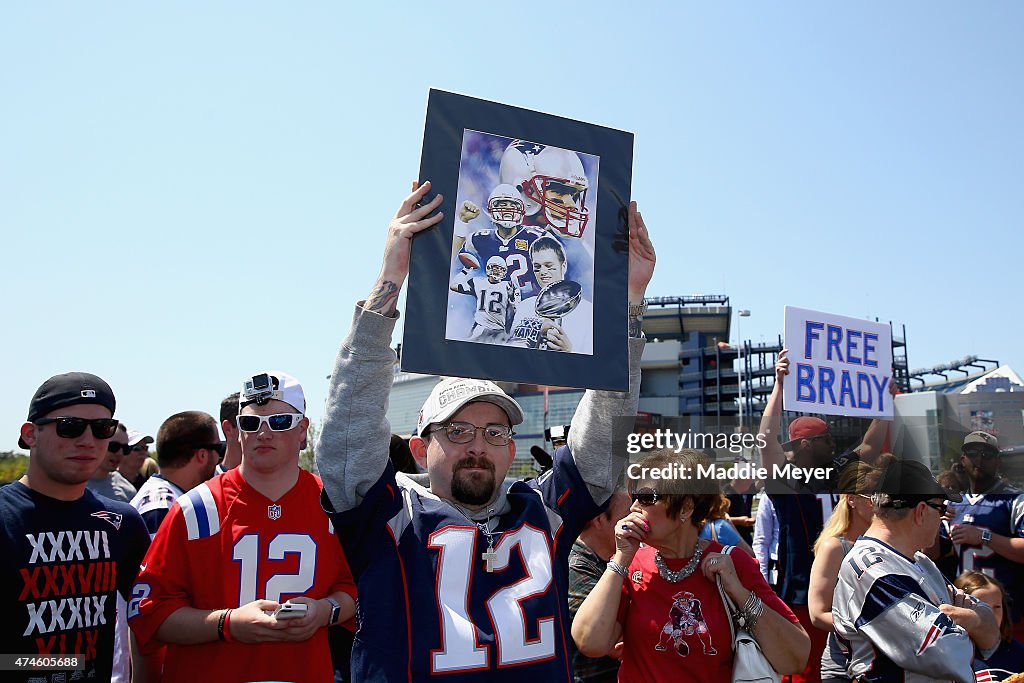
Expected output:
{"points": [[74, 427], [114, 447], [646, 497], [281, 422]]}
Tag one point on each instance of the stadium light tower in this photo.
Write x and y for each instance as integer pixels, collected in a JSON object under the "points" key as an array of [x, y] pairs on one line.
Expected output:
{"points": [[740, 314]]}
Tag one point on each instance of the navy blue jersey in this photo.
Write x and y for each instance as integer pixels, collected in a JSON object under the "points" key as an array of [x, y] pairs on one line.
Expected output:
{"points": [[1003, 514], [516, 252], [61, 565], [427, 604]]}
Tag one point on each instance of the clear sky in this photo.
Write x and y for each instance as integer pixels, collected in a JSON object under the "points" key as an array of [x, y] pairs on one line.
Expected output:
{"points": [[193, 192]]}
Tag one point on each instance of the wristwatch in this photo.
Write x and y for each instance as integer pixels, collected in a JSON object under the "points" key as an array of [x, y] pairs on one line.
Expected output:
{"points": [[637, 310], [986, 536], [335, 610]]}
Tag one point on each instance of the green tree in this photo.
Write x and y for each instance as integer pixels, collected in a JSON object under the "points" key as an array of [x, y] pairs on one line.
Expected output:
{"points": [[307, 461], [12, 466]]}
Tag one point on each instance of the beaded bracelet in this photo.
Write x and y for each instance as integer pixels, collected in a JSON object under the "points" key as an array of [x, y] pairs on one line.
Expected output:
{"points": [[618, 568]]}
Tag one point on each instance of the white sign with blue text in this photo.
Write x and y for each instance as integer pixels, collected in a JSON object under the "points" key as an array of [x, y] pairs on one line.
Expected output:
{"points": [[837, 365]]}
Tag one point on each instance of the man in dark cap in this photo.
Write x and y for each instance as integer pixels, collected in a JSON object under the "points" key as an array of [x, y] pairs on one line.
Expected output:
{"points": [[65, 553], [899, 615]]}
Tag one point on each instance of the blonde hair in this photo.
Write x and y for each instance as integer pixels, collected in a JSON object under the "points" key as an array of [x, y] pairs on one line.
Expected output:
{"points": [[857, 478]]}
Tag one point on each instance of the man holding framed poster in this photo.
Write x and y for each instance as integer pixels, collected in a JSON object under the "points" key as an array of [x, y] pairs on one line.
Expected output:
{"points": [[468, 576]]}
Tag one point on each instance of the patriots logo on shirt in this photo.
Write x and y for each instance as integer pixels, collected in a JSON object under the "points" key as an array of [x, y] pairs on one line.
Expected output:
{"points": [[940, 626], [108, 516], [638, 577]]}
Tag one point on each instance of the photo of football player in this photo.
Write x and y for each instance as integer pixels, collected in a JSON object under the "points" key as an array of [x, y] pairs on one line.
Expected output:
{"points": [[512, 193], [495, 297], [565, 324], [508, 239], [551, 178]]}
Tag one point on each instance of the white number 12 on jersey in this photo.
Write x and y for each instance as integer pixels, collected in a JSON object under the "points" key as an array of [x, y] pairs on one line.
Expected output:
{"points": [[455, 565]]}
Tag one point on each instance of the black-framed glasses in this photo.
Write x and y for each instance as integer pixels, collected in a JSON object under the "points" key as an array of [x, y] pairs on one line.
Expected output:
{"points": [[941, 507], [646, 497], [74, 427], [279, 422], [983, 453], [114, 447], [464, 432]]}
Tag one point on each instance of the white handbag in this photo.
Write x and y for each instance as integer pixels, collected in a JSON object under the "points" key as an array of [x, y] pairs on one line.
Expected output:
{"points": [[749, 665]]}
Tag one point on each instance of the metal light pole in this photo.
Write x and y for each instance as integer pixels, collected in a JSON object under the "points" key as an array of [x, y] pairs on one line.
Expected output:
{"points": [[740, 314]]}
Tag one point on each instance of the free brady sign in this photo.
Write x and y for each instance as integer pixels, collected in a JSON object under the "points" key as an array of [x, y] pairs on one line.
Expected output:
{"points": [[837, 365]]}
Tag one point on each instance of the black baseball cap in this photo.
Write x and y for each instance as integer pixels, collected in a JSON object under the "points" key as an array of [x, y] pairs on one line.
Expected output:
{"points": [[908, 482], [69, 389]]}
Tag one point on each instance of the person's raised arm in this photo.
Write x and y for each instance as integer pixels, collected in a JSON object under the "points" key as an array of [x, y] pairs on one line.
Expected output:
{"points": [[874, 438], [590, 439], [771, 420], [353, 448]]}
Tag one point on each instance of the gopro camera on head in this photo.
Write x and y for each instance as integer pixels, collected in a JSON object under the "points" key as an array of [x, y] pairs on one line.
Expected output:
{"points": [[258, 389]]}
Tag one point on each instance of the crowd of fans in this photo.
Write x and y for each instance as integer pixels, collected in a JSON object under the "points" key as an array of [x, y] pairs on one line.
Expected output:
{"points": [[414, 559]]}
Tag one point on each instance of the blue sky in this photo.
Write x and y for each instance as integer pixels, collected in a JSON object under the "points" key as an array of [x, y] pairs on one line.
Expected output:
{"points": [[192, 193]]}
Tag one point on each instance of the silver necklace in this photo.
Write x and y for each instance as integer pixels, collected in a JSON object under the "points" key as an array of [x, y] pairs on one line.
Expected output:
{"points": [[488, 556], [679, 574]]}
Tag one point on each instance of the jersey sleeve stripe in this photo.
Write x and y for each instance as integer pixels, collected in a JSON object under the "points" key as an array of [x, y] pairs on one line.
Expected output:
{"points": [[200, 512], [885, 593]]}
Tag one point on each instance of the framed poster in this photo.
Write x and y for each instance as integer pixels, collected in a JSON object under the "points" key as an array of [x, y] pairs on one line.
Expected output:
{"points": [[525, 278]]}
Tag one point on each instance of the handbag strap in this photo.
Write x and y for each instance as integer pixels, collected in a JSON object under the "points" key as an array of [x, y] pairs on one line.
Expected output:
{"points": [[730, 608]]}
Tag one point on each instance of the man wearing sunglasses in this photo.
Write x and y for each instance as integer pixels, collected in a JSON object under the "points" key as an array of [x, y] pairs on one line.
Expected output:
{"points": [[65, 553], [465, 575], [987, 528], [237, 546], [902, 620], [106, 480], [188, 449]]}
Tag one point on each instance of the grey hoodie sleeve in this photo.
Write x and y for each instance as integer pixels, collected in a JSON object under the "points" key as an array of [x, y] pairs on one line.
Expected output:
{"points": [[353, 448], [590, 437]]}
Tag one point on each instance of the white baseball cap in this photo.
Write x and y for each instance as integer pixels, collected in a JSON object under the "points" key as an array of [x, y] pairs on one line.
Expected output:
{"points": [[283, 387], [450, 394], [136, 437]]}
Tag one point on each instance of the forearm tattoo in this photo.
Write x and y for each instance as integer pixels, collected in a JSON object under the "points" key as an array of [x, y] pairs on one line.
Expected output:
{"points": [[636, 326], [383, 299]]}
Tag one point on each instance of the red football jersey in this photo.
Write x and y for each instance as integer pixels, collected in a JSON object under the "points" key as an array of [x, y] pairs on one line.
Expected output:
{"points": [[224, 544]]}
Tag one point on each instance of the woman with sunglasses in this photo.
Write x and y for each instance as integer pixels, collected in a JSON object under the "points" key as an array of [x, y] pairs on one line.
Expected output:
{"points": [[850, 518], [661, 599]]}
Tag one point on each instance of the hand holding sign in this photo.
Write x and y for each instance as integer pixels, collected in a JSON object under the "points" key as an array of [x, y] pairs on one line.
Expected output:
{"points": [[842, 366]]}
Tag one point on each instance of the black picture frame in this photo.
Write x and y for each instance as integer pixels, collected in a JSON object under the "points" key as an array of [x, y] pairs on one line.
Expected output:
{"points": [[425, 347]]}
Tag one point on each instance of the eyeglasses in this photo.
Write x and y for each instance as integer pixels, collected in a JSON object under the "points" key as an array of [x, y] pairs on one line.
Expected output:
{"points": [[941, 507], [464, 432], [74, 427], [984, 453], [114, 447], [646, 497], [281, 422]]}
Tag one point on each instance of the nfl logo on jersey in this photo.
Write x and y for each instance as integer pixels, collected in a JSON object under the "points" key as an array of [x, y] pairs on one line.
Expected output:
{"points": [[274, 511]]}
